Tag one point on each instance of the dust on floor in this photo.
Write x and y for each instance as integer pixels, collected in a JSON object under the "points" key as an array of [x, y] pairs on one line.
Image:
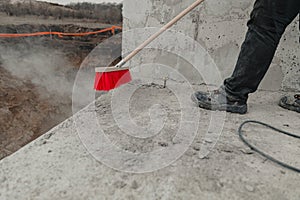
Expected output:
{"points": [[58, 165]]}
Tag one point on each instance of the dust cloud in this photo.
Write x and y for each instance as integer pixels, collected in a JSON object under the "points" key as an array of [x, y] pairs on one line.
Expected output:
{"points": [[42, 66]]}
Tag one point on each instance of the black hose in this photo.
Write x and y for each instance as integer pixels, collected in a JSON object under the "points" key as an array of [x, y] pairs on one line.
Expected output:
{"points": [[240, 131]]}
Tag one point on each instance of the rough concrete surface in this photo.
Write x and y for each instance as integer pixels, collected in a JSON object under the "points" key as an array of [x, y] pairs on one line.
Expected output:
{"points": [[220, 27], [57, 165]]}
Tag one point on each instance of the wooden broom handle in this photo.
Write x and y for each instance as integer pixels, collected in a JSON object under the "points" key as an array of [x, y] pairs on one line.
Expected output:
{"points": [[162, 30]]}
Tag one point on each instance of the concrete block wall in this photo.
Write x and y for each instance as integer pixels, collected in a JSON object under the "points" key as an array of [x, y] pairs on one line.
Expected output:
{"points": [[220, 27]]}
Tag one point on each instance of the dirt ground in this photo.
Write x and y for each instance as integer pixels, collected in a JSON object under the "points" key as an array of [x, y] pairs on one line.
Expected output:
{"points": [[4, 20], [24, 113], [37, 75]]}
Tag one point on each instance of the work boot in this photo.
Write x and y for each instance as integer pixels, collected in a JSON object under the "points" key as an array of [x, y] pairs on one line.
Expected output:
{"points": [[218, 100], [291, 102]]}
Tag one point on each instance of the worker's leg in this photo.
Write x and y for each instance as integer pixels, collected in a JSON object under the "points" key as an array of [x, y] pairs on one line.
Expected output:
{"points": [[268, 21]]}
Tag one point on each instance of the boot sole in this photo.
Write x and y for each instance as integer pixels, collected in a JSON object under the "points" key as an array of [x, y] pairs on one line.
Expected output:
{"points": [[221, 107]]}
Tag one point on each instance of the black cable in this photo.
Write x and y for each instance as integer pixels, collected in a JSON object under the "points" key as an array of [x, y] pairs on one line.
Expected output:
{"points": [[240, 131]]}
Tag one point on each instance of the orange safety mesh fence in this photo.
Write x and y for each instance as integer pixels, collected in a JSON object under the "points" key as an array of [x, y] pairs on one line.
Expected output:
{"points": [[60, 34]]}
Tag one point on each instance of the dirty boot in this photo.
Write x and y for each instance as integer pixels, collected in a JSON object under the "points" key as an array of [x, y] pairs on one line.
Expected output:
{"points": [[218, 100], [291, 102]]}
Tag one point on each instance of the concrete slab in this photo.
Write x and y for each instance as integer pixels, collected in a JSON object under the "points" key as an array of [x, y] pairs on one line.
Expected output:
{"points": [[58, 166], [219, 27]]}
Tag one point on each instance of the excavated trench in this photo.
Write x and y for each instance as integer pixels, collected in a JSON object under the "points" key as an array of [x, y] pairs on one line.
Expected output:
{"points": [[36, 80]]}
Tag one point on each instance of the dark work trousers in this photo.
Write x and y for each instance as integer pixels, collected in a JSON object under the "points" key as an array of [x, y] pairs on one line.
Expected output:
{"points": [[267, 23]]}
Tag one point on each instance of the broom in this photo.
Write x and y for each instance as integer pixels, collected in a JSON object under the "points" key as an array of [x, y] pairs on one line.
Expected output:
{"points": [[108, 78]]}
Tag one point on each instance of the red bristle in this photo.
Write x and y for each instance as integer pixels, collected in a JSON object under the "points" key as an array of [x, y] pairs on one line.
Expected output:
{"points": [[106, 81]]}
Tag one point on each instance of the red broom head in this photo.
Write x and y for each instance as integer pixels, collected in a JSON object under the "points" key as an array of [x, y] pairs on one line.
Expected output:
{"points": [[105, 81]]}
